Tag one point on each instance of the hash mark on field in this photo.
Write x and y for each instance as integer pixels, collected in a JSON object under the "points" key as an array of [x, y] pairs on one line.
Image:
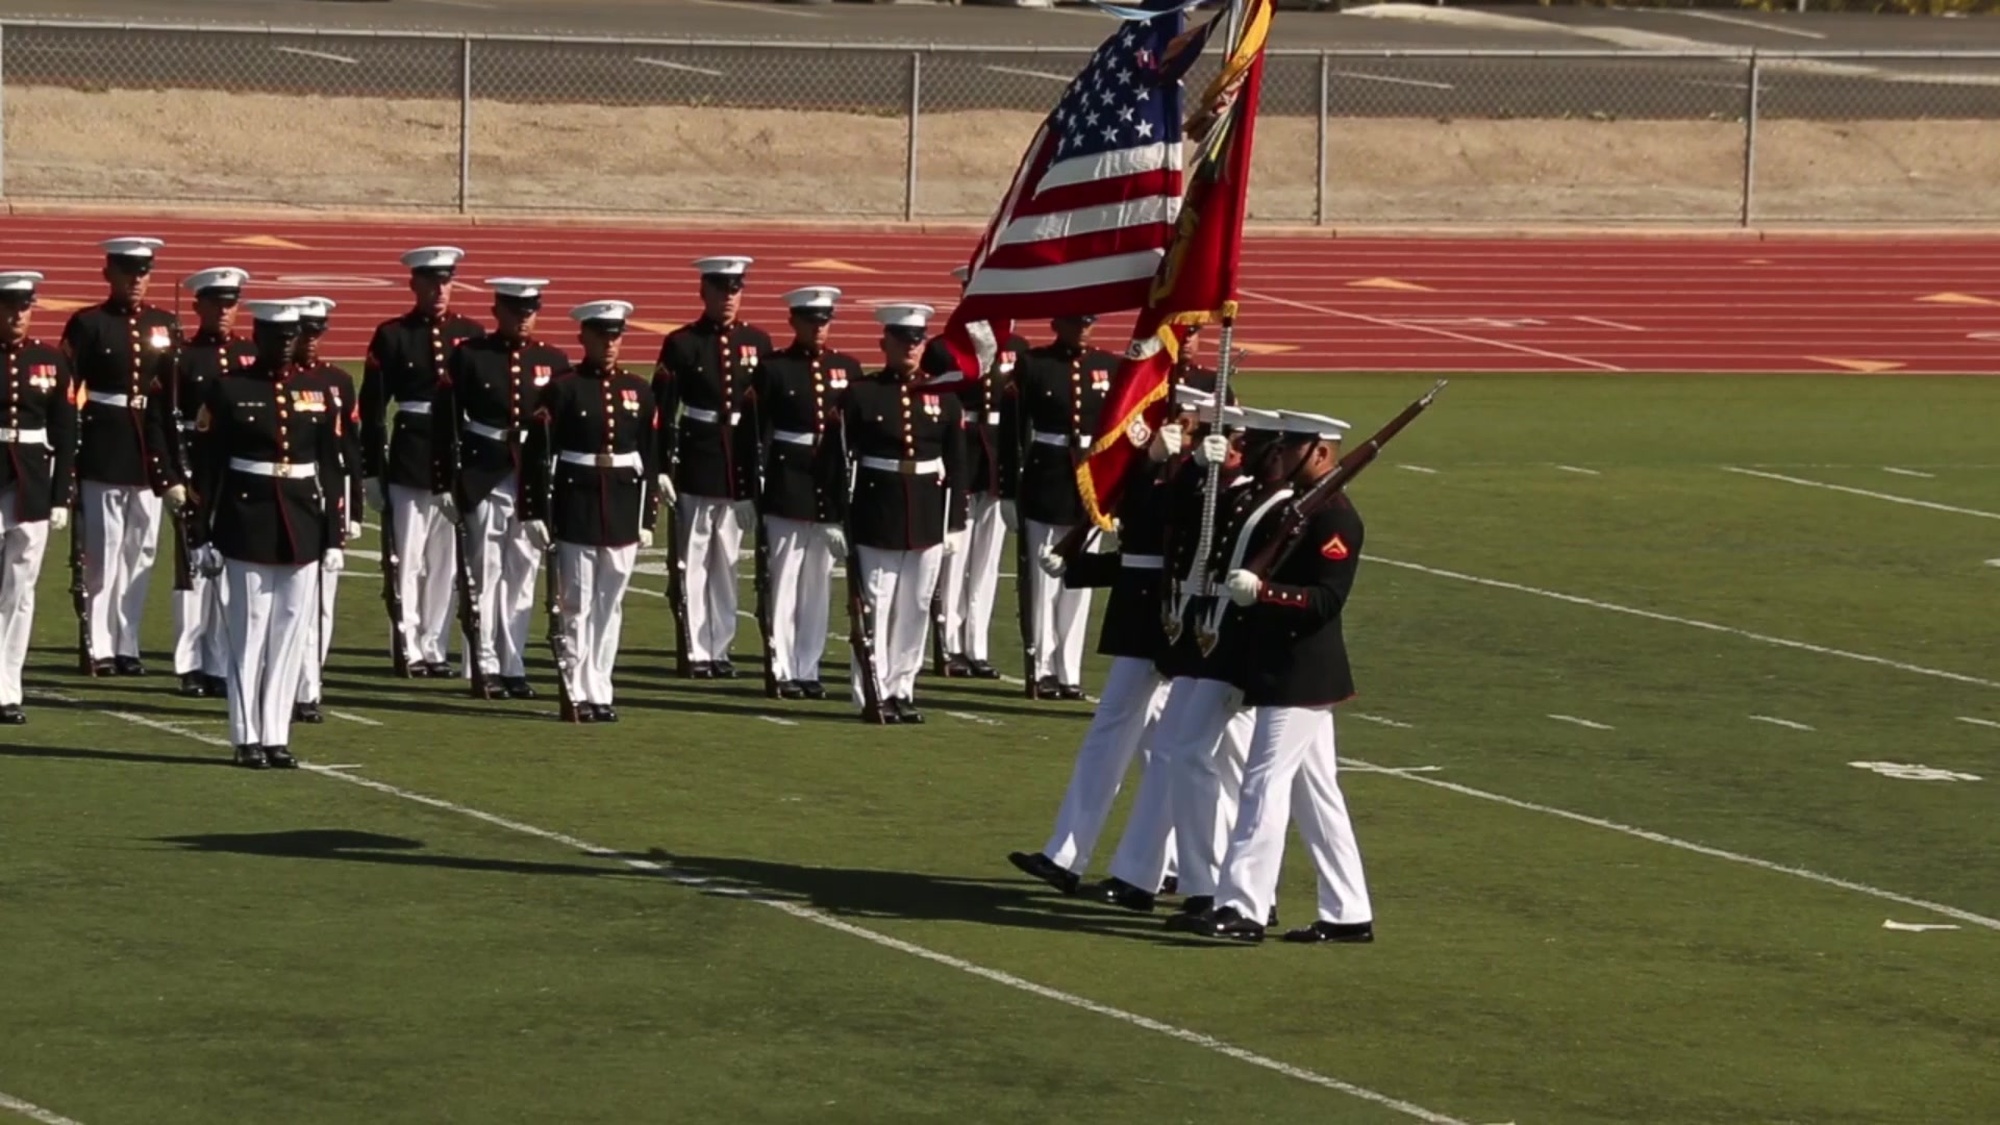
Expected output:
{"points": [[1979, 722], [342, 766], [1390, 322], [777, 720], [1650, 615], [1787, 723], [972, 718], [1889, 496], [33, 1112], [1908, 472], [1366, 718], [1580, 722], [1417, 469], [353, 718], [1579, 469], [1699, 849], [1915, 927]]}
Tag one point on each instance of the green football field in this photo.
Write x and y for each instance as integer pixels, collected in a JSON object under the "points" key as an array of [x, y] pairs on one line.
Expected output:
{"points": [[1676, 768]]}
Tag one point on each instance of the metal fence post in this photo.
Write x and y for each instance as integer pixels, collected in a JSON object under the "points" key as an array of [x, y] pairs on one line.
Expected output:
{"points": [[3, 111], [465, 125], [910, 156], [1750, 110], [1319, 157]]}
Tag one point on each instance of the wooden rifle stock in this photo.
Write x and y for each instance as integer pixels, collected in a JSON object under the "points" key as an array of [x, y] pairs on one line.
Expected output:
{"points": [[1296, 514], [861, 632]]}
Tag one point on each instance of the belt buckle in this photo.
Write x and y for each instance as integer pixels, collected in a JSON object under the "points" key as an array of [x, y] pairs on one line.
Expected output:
{"points": [[136, 402], [907, 467]]}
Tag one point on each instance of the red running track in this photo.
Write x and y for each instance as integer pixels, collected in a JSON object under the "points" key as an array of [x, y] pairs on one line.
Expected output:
{"points": [[1783, 304]]}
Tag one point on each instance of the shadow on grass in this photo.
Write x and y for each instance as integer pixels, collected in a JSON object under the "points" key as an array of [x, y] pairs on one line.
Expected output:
{"points": [[85, 754], [370, 847]]}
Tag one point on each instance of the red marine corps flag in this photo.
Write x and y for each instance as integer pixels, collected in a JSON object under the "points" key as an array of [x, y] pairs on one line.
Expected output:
{"points": [[1196, 281]]}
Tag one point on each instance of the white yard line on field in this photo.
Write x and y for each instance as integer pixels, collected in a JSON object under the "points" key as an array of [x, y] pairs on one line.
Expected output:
{"points": [[33, 1112], [1761, 638], [1581, 722], [1889, 496], [1579, 469], [1776, 722], [1979, 722], [1908, 472]]}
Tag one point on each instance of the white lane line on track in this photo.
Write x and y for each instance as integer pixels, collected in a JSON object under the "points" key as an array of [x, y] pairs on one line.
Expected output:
{"points": [[1761, 638], [1391, 322], [1889, 496], [820, 918]]}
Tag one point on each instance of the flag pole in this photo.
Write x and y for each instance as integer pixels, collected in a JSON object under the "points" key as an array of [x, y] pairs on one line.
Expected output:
{"points": [[1225, 363]]}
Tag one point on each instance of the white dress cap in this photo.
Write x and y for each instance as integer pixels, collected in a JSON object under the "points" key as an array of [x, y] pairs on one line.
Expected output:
{"points": [[134, 247], [725, 266], [273, 312], [444, 258], [601, 310], [19, 281], [519, 288], [220, 277], [904, 316], [1315, 425], [813, 297], [314, 308]]}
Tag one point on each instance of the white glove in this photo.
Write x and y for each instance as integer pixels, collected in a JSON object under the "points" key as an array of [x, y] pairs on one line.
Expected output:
{"points": [[1243, 586], [448, 508], [667, 494], [538, 535], [1052, 563], [955, 542], [58, 519], [645, 538], [354, 530], [207, 560], [333, 560], [177, 496], [1214, 450], [836, 540], [378, 498], [1170, 440], [1108, 541]]}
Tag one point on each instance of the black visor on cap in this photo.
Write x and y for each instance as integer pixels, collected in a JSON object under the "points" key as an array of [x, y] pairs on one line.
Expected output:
{"points": [[17, 298], [906, 333], [727, 282], [131, 264], [518, 304], [436, 273], [312, 325], [221, 294], [604, 327], [816, 316]]}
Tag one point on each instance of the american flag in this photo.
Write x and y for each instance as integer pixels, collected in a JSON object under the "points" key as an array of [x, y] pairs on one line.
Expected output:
{"points": [[1091, 211]]}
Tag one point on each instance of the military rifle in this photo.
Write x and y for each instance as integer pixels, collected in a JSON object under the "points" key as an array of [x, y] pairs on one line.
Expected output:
{"points": [[392, 586], [1293, 517], [565, 656], [177, 442], [469, 596], [761, 557], [861, 634], [79, 590]]}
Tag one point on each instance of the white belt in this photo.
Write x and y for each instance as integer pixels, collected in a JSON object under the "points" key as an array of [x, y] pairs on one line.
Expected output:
{"points": [[791, 437], [412, 406], [601, 460], [1043, 437], [24, 437], [993, 417], [917, 468], [136, 402], [1143, 562], [290, 470], [490, 433], [701, 415]]}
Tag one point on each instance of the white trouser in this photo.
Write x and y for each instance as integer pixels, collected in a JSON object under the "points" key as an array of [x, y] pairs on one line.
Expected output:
{"points": [[591, 585], [319, 631], [1204, 731], [971, 578], [1292, 772], [506, 568], [1062, 615], [427, 546], [198, 636], [268, 610], [898, 586], [21, 548], [713, 540], [1127, 707], [1145, 855], [801, 596], [121, 537]]}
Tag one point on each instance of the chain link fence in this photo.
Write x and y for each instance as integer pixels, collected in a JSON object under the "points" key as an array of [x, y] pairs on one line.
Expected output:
{"points": [[343, 120]]}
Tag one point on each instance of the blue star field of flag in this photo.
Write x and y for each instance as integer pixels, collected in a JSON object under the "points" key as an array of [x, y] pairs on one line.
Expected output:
{"points": [[1117, 102]]}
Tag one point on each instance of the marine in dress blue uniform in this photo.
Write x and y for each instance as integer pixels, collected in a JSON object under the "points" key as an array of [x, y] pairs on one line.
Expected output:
{"points": [[38, 412]]}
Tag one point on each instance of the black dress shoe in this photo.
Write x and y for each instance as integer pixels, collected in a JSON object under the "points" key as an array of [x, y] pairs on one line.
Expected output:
{"points": [[218, 687], [578, 713], [880, 715], [604, 713], [12, 715], [906, 711], [787, 689], [104, 668], [724, 670], [701, 670], [1047, 870], [307, 713], [280, 758], [413, 670], [518, 687], [194, 685], [1069, 691], [1048, 687], [1118, 892], [1170, 885], [439, 669], [812, 689], [957, 667], [981, 670], [1228, 925], [251, 758], [1197, 904], [130, 666], [491, 688], [1353, 932]]}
